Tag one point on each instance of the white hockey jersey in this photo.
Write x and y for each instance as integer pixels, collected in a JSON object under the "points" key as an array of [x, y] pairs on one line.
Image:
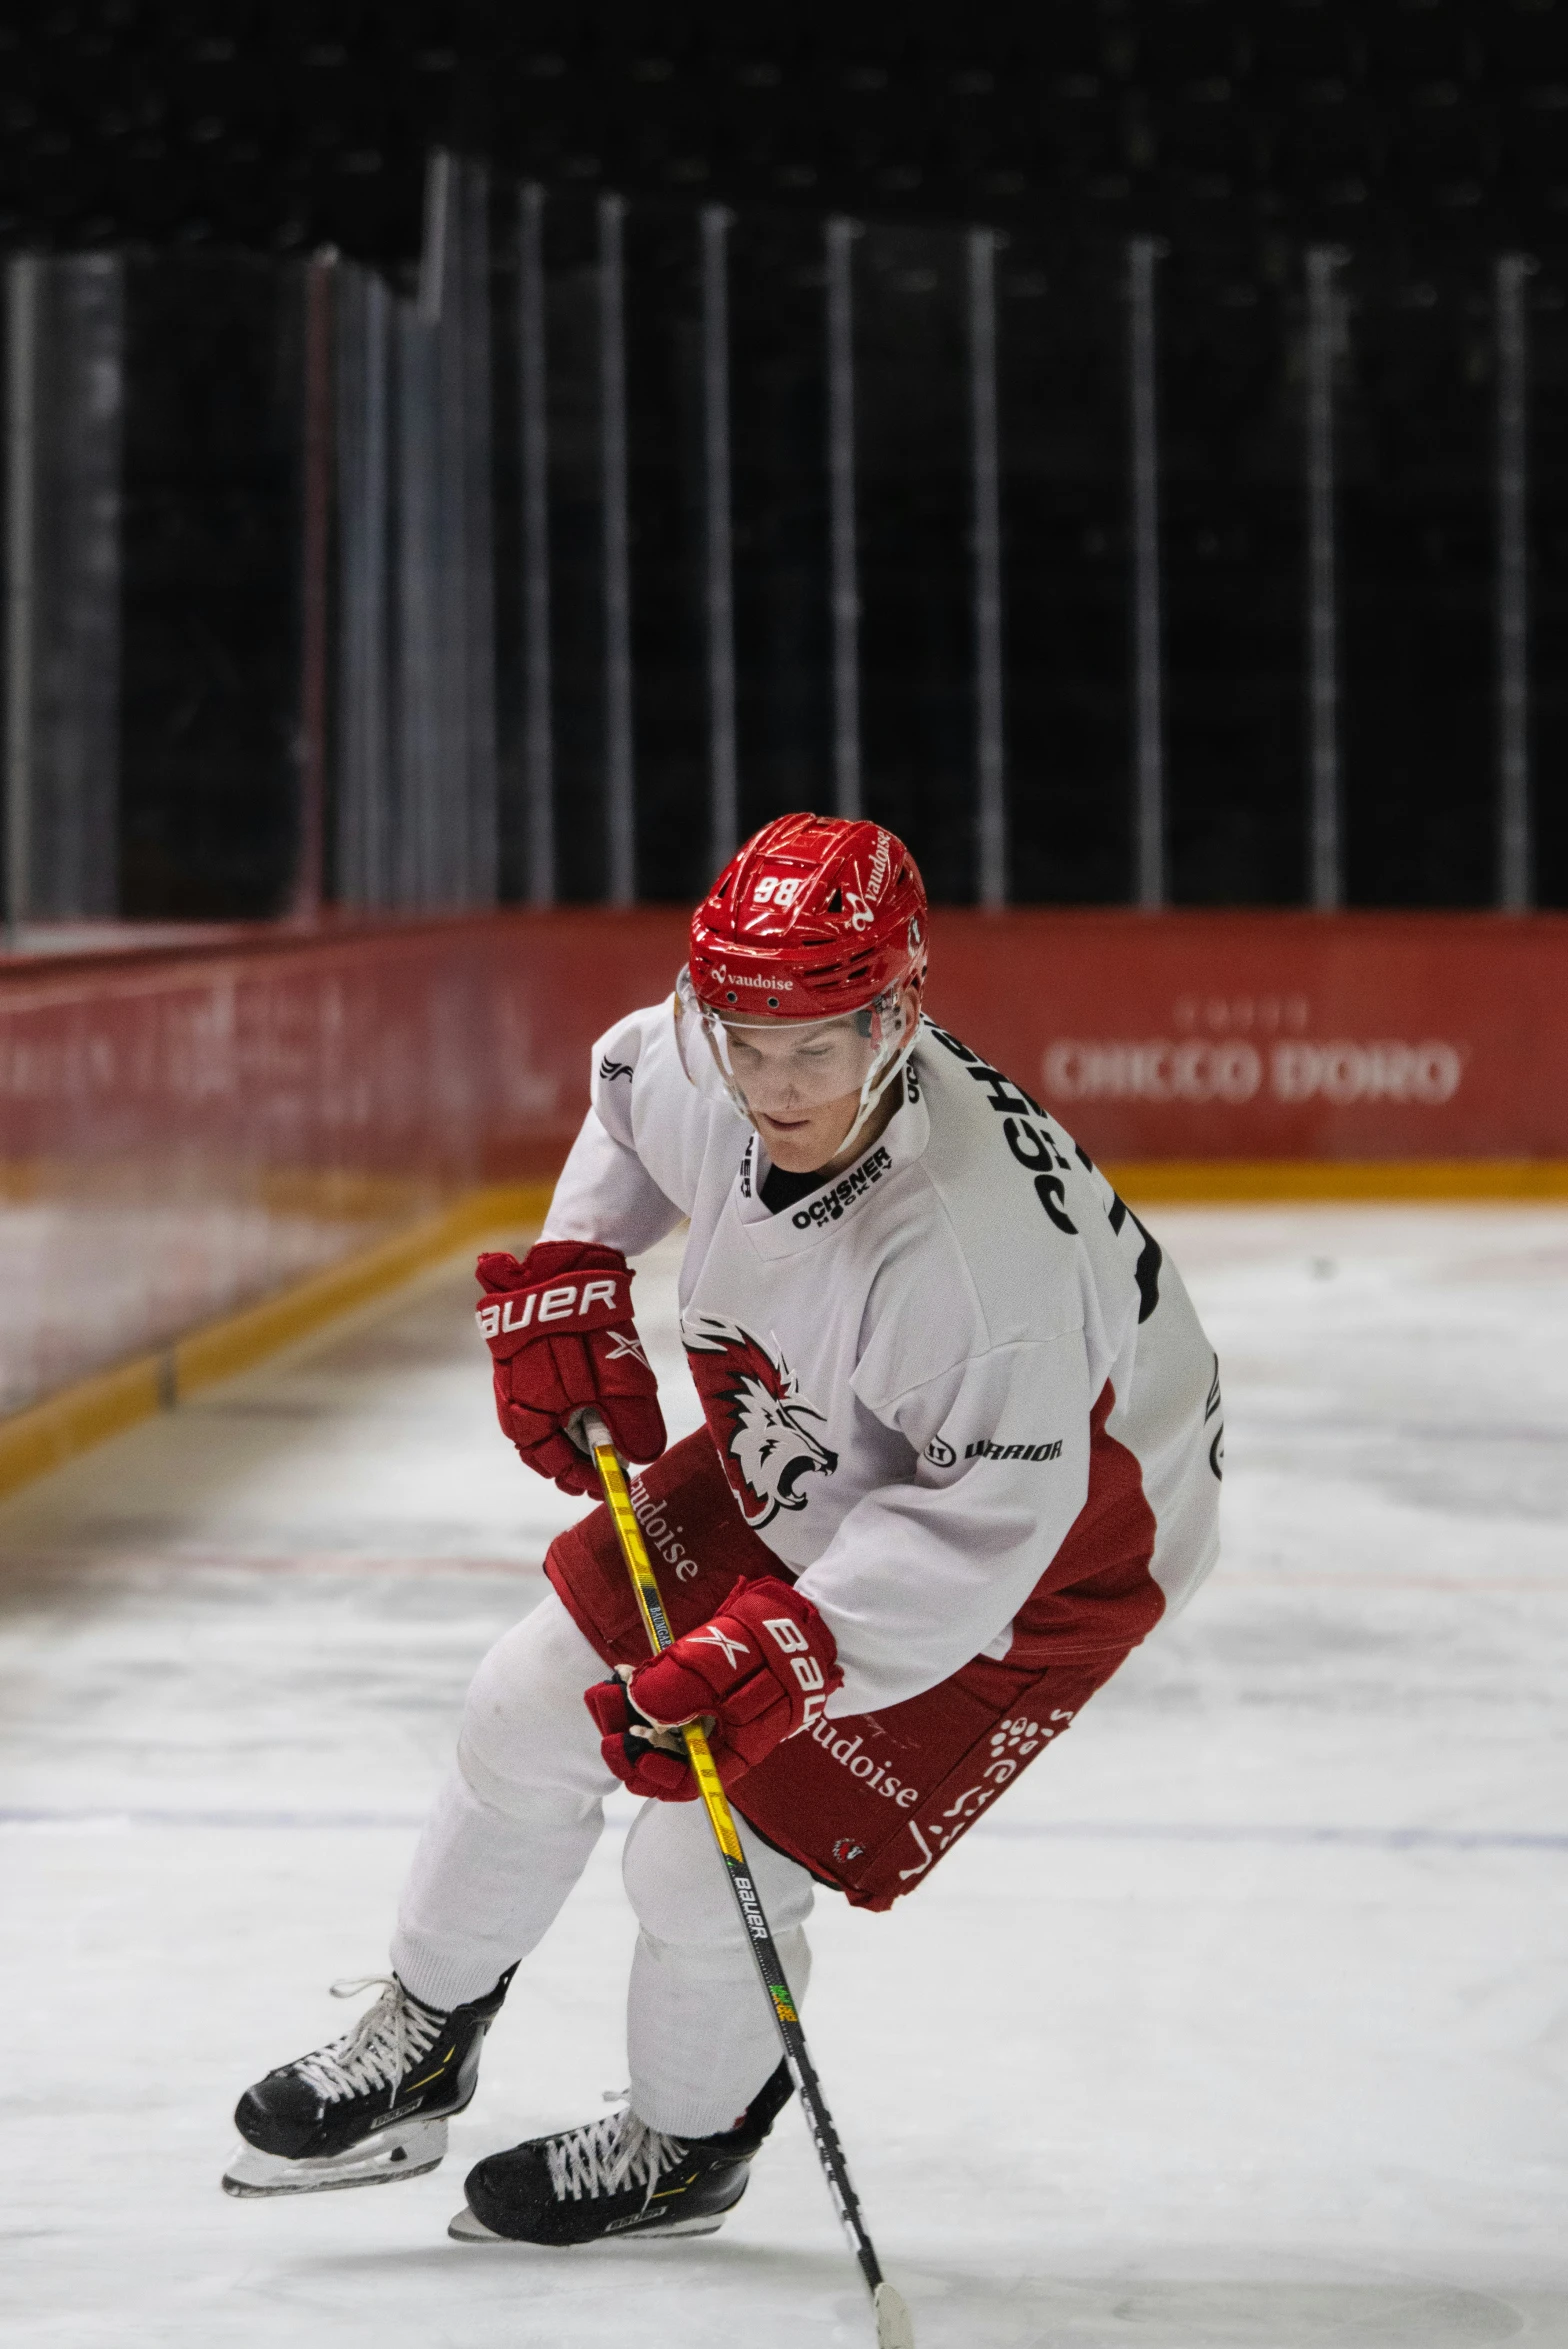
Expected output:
{"points": [[902, 1366]]}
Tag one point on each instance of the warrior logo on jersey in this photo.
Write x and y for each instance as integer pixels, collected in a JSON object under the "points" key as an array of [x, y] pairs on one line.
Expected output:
{"points": [[757, 1417]]}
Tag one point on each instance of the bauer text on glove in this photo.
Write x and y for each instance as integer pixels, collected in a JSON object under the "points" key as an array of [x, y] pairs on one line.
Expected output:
{"points": [[759, 1670], [559, 1326]]}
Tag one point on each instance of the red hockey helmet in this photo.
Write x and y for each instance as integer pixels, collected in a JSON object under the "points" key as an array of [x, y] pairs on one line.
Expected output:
{"points": [[816, 916], [819, 923]]}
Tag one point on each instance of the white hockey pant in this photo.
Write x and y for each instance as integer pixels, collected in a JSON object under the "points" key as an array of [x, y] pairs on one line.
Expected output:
{"points": [[511, 1832]]}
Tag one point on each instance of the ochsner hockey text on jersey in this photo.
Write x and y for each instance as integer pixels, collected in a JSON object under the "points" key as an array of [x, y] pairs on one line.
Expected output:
{"points": [[918, 1375]]}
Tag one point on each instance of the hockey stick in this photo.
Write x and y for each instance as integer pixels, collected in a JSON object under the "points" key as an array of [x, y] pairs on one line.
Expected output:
{"points": [[894, 2330]]}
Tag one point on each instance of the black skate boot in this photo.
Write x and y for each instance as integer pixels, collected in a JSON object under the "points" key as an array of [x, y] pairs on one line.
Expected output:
{"points": [[614, 2178], [371, 2107]]}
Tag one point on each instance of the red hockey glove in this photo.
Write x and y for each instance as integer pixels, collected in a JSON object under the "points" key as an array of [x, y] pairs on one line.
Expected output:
{"points": [[660, 1769], [560, 1327], [760, 1669]]}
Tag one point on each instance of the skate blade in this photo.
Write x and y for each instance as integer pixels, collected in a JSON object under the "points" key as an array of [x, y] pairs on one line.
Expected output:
{"points": [[465, 2228], [405, 2152]]}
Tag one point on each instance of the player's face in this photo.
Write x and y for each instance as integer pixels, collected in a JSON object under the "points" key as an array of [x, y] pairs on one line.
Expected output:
{"points": [[802, 1086]]}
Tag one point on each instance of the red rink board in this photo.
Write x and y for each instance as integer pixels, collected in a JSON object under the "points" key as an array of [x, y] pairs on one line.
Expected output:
{"points": [[186, 1128], [458, 1048], [1269, 1035], [453, 1048]]}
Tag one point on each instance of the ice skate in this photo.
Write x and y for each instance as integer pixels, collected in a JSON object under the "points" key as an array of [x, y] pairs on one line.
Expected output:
{"points": [[615, 2178], [370, 2107]]}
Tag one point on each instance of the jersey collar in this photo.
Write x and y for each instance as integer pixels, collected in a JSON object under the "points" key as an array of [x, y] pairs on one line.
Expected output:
{"points": [[847, 1196]]}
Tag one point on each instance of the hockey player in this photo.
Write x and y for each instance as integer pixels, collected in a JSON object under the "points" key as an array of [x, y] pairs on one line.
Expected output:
{"points": [[961, 1454]]}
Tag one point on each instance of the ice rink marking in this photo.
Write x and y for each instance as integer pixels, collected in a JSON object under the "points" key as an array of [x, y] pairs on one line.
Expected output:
{"points": [[1012, 1830]]}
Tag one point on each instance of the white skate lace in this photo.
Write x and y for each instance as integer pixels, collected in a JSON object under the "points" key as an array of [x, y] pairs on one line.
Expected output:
{"points": [[389, 2037], [604, 2156]]}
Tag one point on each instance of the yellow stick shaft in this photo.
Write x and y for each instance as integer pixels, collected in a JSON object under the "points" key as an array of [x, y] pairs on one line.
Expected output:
{"points": [[892, 2317], [651, 1607]]}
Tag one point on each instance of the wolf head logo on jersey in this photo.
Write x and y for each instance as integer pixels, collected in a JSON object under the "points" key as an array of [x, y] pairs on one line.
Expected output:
{"points": [[757, 1417]]}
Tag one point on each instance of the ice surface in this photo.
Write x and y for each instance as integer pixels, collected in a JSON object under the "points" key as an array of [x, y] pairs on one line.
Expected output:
{"points": [[1239, 2025]]}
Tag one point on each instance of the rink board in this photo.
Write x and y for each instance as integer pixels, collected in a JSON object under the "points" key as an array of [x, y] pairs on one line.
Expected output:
{"points": [[187, 1130], [458, 1047]]}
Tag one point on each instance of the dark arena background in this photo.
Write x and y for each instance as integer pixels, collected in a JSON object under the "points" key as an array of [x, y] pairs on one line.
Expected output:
{"points": [[464, 469], [1120, 447]]}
